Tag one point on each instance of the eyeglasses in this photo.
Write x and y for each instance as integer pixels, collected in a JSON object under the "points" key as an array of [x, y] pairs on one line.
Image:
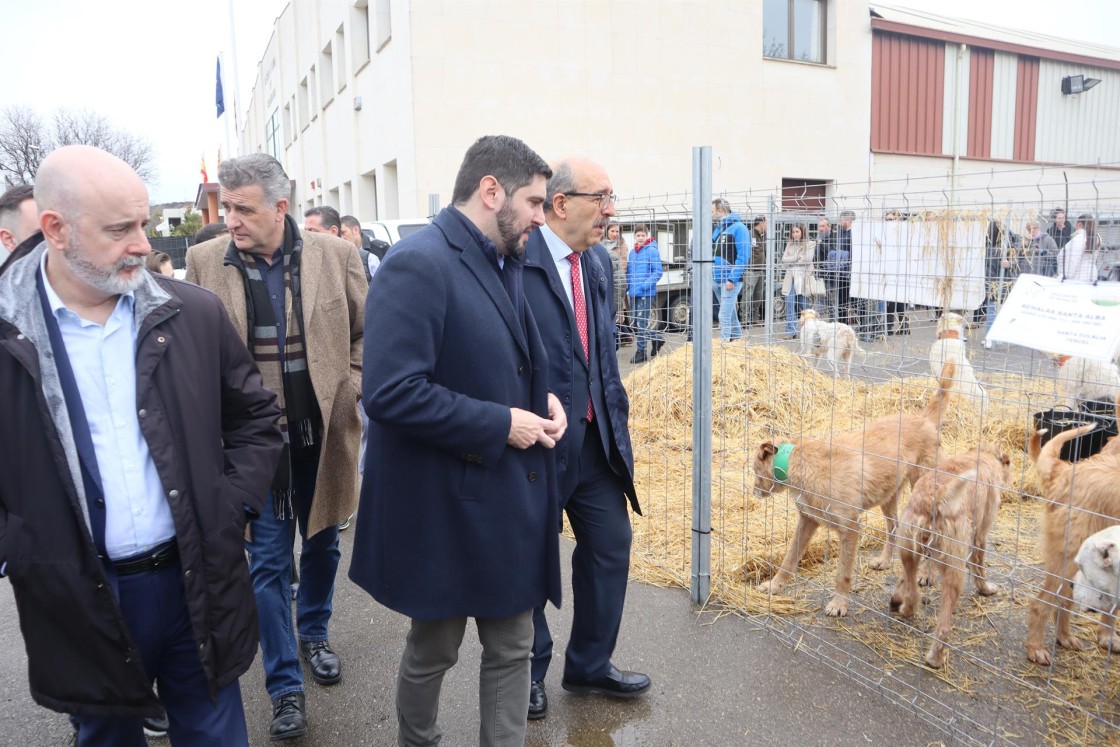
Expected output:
{"points": [[603, 198]]}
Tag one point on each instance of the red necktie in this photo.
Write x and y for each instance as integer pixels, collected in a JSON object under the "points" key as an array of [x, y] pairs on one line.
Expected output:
{"points": [[580, 306]]}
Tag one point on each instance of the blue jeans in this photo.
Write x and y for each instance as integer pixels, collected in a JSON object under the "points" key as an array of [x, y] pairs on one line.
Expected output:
{"points": [[729, 327], [795, 304], [991, 308], [270, 566], [640, 308]]}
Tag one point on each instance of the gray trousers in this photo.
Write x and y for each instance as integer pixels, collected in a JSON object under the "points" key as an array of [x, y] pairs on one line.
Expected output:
{"points": [[503, 678], [754, 295]]}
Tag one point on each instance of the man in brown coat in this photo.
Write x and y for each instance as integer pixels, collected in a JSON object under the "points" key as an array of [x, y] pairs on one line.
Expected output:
{"points": [[298, 301]]}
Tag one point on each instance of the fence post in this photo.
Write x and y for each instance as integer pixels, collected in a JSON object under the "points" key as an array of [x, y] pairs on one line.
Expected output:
{"points": [[701, 373], [771, 263]]}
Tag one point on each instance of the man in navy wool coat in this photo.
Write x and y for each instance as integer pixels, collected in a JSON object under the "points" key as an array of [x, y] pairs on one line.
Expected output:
{"points": [[459, 506], [568, 283]]}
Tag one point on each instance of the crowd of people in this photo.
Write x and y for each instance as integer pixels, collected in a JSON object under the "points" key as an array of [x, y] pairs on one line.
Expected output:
{"points": [[170, 443]]}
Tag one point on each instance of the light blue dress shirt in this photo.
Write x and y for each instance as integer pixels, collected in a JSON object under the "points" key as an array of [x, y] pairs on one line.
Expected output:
{"points": [[137, 516]]}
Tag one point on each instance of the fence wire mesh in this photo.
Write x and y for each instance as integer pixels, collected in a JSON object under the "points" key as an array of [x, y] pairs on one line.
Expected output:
{"points": [[929, 269]]}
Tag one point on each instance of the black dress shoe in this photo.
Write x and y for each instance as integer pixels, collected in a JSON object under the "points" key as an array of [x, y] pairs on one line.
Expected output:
{"points": [[615, 683], [639, 357], [538, 700], [325, 665], [288, 719]]}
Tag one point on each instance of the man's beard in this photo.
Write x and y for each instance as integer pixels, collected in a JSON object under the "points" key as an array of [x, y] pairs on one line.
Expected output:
{"points": [[511, 236], [106, 280]]}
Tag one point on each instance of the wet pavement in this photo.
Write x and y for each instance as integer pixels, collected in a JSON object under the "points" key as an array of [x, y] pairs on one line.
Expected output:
{"points": [[716, 681]]}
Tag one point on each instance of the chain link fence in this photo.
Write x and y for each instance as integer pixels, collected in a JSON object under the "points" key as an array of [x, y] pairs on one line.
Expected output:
{"points": [[929, 269]]}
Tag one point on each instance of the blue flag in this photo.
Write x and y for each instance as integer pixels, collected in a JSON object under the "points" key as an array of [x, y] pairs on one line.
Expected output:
{"points": [[220, 100]]}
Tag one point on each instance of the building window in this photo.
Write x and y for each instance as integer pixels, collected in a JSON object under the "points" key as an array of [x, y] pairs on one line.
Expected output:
{"points": [[340, 58], [359, 35], [326, 76], [794, 30], [304, 111], [272, 135], [804, 195], [384, 24], [313, 110]]}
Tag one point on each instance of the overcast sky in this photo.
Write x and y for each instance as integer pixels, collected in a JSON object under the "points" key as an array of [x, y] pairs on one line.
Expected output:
{"points": [[149, 65]]}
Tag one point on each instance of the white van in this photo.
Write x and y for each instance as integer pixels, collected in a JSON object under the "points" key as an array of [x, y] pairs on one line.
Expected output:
{"points": [[392, 231]]}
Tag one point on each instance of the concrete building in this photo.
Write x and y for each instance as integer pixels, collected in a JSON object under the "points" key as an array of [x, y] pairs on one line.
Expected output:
{"points": [[170, 218], [370, 104]]}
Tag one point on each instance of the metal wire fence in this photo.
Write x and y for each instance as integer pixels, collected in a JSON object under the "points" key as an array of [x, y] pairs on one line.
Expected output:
{"points": [[800, 442]]}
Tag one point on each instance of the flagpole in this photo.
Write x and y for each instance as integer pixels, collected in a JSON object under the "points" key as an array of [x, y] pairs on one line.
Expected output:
{"points": [[225, 118], [236, 99]]}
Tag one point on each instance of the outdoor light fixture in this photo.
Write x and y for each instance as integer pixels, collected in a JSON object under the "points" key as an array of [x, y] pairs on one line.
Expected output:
{"points": [[1077, 84]]}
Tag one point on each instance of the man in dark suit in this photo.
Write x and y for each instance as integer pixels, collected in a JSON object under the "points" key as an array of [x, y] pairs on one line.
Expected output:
{"points": [[569, 286], [459, 507]]}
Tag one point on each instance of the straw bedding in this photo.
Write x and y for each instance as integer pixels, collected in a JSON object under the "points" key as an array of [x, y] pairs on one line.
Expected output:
{"points": [[768, 392]]}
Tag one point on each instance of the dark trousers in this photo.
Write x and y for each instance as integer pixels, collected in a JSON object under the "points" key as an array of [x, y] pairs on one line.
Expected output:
{"points": [[600, 521], [155, 611]]}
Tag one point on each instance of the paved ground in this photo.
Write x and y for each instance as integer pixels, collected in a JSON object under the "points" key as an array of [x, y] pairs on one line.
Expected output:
{"points": [[722, 681], [716, 682]]}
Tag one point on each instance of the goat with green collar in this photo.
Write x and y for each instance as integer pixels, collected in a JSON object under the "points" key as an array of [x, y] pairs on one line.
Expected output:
{"points": [[836, 479]]}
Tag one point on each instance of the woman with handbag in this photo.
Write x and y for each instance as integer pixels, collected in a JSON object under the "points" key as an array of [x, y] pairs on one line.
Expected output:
{"points": [[798, 260]]}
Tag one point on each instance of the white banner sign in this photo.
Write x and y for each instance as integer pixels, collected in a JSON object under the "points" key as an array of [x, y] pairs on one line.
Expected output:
{"points": [[931, 263], [1070, 318]]}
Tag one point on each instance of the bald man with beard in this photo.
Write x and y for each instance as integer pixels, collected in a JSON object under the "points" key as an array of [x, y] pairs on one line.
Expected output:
{"points": [[570, 287], [138, 438]]}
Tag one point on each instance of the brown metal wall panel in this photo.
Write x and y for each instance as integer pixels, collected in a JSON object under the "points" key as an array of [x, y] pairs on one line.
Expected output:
{"points": [[936, 74], [1026, 108], [896, 141], [907, 92], [876, 108], [882, 26], [981, 72]]}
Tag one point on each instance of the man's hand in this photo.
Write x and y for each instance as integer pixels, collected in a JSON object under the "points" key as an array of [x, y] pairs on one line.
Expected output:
{"points": [[557, 418], [526, 429]]}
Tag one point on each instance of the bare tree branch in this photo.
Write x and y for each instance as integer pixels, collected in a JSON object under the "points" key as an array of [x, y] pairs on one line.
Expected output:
{"points": [[25, 139]]}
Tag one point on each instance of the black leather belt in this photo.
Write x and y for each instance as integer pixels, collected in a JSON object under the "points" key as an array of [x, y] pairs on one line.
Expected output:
{"points": [[158, 557]]}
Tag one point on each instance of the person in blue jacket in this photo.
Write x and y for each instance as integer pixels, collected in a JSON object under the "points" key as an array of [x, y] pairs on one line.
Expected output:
{"points": [[643, 270], [731, 250]]}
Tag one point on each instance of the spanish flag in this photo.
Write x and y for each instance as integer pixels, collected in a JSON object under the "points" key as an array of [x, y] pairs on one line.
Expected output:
{"points": [[205, 178]]}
